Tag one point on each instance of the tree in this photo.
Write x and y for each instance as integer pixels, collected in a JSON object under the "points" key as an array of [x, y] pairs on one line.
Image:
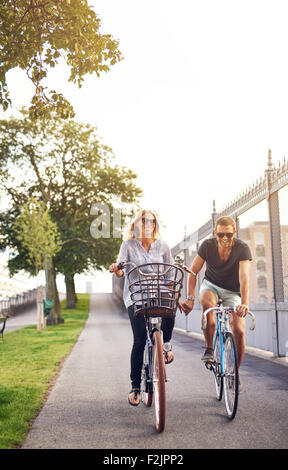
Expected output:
{"points": [[39, 236], [69, 170], [37, 233], [37, 34]]}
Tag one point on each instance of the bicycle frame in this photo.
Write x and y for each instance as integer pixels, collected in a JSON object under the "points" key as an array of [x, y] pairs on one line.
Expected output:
{"points": [[221, 329], [219, 333]]}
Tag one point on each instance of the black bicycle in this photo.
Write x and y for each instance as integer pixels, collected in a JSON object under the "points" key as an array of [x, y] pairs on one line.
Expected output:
{"points": [[155, 291]]}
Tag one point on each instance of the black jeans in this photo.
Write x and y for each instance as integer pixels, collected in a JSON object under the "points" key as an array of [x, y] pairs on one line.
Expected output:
{"points": [[139, 335]]}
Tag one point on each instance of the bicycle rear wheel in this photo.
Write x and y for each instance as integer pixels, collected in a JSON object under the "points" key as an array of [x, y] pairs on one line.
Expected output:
{"points": [[217, 369], [231, 377], [159, 382], [146, 382]]}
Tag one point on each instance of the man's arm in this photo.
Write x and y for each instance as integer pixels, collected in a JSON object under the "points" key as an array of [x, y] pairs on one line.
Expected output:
{"points": [[244, 279], [197, 265]]}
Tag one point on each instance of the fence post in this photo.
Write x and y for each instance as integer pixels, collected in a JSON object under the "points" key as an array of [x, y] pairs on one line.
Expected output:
{"points": [[276, 253], [237, 226], [213, 216]]}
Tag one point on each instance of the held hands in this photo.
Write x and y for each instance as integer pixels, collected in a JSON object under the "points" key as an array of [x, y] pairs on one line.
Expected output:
{"points": [[186, 306]]}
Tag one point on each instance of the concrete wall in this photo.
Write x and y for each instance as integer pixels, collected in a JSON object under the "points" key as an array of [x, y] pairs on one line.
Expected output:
{"points": [[283, 328], [117, 288]]}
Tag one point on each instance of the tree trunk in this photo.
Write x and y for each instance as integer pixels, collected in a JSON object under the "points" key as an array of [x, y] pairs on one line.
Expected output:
{"points": [[71, 297], [54, 316], [74, 291]]}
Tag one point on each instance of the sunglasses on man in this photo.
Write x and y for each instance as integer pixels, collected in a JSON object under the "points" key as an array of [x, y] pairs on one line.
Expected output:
{"points": [[222, 235]]}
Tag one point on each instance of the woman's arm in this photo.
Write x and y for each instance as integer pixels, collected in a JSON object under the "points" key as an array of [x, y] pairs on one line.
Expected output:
{"points": [[122, 257]]}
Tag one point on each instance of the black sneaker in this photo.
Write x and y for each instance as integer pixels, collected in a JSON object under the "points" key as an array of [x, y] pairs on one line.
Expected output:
{"points": [[208, 355]]}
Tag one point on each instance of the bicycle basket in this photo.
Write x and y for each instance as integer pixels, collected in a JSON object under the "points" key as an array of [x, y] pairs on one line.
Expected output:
{"points": [[155, 289]]}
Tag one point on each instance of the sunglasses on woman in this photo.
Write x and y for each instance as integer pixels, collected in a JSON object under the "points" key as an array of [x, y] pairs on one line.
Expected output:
{"points": [[148, 221]]}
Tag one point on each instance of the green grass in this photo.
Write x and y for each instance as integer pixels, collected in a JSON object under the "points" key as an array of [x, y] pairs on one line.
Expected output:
{"points": [[29, 360]]}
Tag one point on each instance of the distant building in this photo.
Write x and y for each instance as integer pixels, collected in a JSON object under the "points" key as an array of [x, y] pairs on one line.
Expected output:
{"points": [[257, 236], [89, 287]]}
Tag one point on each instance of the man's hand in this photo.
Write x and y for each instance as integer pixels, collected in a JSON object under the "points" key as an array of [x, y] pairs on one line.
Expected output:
{"points": [[242, 310], [186, 306]]}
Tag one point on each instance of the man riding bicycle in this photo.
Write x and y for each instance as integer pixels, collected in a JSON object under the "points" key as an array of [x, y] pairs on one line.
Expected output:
{"points": [[227, 277]]}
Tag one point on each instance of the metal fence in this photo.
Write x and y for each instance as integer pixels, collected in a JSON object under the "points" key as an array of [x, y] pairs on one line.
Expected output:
{"points": [[19, 302], [261, 215]]}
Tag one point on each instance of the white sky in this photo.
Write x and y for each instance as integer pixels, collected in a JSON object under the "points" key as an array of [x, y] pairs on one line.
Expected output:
{"points": [[200, 97]]}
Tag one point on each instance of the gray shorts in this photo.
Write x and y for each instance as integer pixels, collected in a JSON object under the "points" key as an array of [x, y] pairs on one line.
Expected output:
{"points": [[228, 297]]}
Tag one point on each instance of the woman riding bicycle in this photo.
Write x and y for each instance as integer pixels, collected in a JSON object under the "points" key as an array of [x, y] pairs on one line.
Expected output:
{"points": [[142, 245]]}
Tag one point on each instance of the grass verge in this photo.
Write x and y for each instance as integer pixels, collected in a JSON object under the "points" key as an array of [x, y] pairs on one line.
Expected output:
{"points": [[29, 360]]}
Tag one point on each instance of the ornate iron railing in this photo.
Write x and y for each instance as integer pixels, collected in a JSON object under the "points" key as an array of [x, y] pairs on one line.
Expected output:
{"points": [[266, 187]]}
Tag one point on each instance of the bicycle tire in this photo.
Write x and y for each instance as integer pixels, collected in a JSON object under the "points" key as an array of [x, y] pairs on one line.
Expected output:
{"points": [[159, 391], [231, 376], [146, 388], [218, 376]]}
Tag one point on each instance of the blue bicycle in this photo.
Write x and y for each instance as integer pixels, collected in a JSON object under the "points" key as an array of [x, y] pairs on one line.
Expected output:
{"points": [[225, 365]]}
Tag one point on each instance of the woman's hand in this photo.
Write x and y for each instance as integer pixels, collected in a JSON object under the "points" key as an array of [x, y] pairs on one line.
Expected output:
{"points": [[113, 268]]}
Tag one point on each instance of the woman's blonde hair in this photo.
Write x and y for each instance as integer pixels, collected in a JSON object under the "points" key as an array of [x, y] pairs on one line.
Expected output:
{"points": [[130, 231]]}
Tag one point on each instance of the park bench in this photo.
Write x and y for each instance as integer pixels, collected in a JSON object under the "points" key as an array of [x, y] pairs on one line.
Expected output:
{"points": [[3, 318]]}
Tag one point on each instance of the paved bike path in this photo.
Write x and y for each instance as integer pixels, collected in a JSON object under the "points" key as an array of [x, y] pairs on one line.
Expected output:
{"points": [[25, 318], [88, 409]]}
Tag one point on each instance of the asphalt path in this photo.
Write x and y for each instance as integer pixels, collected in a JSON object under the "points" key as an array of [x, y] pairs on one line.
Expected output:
{"points": [[24, 318], [88, 408], [21, 319]]}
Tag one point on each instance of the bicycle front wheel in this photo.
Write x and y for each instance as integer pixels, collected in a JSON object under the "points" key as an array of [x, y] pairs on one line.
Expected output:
{"points": [[231, 377], [217, 369], [159, 382]]}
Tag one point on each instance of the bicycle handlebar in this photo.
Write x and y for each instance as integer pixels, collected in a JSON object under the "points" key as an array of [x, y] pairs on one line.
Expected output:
{"points": [[179, 263], [122, 265], [228, 310], [188, 270]]}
